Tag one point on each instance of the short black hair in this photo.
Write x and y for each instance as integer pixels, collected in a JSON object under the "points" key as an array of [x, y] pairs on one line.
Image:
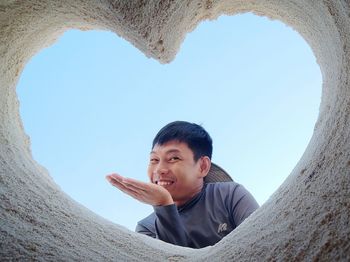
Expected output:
{"points": [[195, 136]]}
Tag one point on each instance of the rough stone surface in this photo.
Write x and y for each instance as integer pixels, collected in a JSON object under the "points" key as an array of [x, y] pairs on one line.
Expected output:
{"points": [[307, 218]]}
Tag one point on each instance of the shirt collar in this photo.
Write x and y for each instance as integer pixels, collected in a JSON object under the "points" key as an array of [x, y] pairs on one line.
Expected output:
{"points": [[193, 200]]}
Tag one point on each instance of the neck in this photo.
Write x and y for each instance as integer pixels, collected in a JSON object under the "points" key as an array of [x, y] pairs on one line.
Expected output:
{"points": [[194, 192]]}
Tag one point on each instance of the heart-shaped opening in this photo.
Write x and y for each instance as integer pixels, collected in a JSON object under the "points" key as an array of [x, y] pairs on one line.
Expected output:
{"points": [[92, 104]]}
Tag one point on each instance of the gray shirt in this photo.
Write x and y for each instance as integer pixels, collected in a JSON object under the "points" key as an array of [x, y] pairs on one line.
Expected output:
{"points": [[204, 220]]}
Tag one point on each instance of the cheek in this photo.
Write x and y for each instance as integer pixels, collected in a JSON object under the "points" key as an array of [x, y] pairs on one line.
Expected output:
{"points": [[149, 172], [183, 175]]}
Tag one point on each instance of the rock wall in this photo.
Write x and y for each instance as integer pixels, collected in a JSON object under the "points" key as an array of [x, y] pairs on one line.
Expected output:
{"points": [[307, 218]]}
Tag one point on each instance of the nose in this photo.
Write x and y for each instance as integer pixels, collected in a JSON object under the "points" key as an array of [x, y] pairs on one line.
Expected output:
{"points": [[155, 171], [161, 168]]}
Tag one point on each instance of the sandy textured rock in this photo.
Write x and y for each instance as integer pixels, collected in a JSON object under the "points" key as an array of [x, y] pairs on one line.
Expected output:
{"points": [[307, 218]]}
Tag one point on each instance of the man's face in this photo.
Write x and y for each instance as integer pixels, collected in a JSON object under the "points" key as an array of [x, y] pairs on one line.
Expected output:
{"points": [[172, 166]]}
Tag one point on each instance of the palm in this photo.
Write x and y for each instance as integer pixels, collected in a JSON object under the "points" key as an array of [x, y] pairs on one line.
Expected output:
{"points": [[145, 192]]}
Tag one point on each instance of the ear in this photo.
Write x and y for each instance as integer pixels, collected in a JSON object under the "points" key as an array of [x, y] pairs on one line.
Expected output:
{"points": [[204, 166]]}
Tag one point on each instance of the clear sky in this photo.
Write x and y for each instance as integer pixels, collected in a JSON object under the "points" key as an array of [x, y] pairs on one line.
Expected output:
{"points": [[92, 103]]}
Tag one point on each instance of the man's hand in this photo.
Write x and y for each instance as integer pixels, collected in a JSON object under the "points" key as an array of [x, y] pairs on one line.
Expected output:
{"points": [[148, 193]]}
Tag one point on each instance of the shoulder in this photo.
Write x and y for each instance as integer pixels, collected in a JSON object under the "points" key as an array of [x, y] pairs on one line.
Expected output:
{"points": [[148, 221], [222, 187], [226, 191], [146, 226], [220, 191]]}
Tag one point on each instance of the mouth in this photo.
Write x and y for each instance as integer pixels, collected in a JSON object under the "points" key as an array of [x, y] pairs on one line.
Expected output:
{"points": [[164, 183]]}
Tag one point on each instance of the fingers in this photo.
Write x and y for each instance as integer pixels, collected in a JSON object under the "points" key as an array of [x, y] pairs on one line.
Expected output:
{"points": [[133, 184], [116, 181], [128, 188], [114, 176], [145, 192]]}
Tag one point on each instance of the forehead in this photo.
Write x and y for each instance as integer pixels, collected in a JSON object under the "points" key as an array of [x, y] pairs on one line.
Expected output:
{"points": [[171, 147]]}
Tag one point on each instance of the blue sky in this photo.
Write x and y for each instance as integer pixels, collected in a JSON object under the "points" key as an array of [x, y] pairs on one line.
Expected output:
{"points": [[92, 103]]}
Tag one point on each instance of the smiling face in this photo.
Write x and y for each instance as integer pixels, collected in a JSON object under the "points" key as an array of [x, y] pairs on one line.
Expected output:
{"points": [[173, 167]]}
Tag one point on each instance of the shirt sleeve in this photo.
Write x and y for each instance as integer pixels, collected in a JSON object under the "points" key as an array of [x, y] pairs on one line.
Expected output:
{"points": [[243, 204], [169, 226]]}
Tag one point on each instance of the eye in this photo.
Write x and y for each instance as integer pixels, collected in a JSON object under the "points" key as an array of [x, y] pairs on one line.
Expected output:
{"points": [[153, 161], [174, 159]]}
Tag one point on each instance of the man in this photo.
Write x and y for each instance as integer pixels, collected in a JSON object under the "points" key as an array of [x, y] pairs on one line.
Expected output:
{"points": [[188, 210]]}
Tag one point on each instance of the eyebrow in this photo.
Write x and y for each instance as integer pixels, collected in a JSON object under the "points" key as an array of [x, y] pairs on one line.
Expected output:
{"points": [[168, 152]]}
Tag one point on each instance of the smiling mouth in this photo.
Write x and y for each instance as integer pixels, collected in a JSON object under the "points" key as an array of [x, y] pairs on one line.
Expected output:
{"points": [[164, 183]]}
